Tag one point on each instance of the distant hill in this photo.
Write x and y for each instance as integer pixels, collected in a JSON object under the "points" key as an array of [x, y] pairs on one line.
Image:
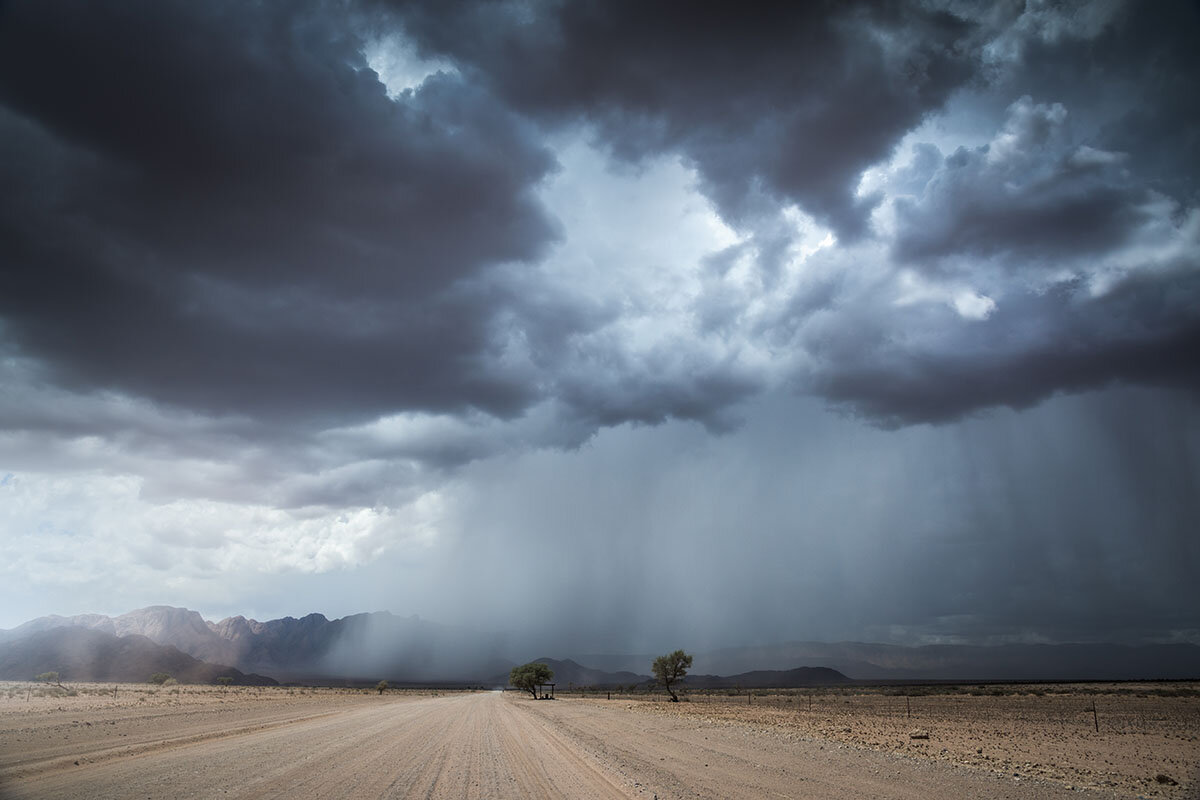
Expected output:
{"points": [[965, 662], [568, 672], [83, 654], [770, 679]]}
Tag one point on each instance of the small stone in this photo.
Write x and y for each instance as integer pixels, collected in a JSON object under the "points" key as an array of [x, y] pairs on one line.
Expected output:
{"points": [[1160, 778]]}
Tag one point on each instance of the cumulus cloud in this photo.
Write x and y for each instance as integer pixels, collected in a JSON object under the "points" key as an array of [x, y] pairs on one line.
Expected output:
{"points": [[1065, 269], [1031, 194], [757, 101]]}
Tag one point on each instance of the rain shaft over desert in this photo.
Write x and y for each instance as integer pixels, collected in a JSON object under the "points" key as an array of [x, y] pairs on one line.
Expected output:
{"points": [[606, 327]]}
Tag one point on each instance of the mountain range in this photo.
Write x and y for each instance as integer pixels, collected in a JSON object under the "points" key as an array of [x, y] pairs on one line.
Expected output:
{"points": [[367, 647], [357, 647], [80, 654]]}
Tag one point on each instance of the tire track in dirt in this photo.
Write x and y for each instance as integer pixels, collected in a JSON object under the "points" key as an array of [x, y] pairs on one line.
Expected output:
{"points": [[460, 746], [31, 767], [552, 762]]}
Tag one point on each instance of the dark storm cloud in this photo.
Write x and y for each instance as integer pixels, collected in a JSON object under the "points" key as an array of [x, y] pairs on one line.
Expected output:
{"points": [[792, 100], [1076, 224], [1031, 195], [410, 330], [218, 206], [792, 103], [1130, 83], [1036, 343]]}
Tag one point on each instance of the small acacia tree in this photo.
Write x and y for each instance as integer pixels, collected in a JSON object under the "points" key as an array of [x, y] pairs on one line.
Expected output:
{"points": [[670, 669], [381, 687], [160, 678], [528, 676]]}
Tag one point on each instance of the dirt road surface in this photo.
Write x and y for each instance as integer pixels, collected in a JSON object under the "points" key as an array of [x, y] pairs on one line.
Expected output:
{"points": [[468, 745]]}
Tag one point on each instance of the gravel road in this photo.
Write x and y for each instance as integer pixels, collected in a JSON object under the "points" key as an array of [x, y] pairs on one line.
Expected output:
{"points": [[474, 745]]}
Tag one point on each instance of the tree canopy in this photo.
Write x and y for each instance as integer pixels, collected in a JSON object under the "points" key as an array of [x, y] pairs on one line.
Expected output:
{"points": [[528, 676], [670, 669]]}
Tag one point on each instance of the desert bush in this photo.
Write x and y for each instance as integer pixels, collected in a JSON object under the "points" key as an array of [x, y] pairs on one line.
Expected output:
{"points": [[170, 682], [159, 678]]}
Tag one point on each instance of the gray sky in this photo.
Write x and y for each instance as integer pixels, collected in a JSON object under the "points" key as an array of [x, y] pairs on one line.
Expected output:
{"points": [[679, 325]]}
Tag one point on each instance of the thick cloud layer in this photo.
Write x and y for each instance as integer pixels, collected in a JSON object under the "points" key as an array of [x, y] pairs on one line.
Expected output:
{"points": [[211, 206], [282, 277], [223, 209], [793, 100]]}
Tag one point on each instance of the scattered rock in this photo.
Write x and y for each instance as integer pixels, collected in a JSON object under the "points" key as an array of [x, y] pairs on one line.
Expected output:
{"points": [[1166, 780], [918, 734]]}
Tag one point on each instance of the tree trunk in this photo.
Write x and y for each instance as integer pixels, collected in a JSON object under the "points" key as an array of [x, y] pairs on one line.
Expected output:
{"points": [[674, 699]]}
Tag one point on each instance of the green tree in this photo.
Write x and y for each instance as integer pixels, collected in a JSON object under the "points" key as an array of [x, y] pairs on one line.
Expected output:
{"points": [[670, 669], [528, 676], [224, 680], [381, 687], [48, 677], [160, 678]]}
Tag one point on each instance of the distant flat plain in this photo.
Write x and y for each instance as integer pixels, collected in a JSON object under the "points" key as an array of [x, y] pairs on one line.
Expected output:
{"points": [[135, 740]]}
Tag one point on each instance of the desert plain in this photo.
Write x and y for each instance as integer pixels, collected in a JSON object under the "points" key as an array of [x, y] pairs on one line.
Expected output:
{"points": [[137, 740]]}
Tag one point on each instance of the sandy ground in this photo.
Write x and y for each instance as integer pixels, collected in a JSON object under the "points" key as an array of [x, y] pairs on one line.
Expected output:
{"points": [[258, 743], [1047, 733]]}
